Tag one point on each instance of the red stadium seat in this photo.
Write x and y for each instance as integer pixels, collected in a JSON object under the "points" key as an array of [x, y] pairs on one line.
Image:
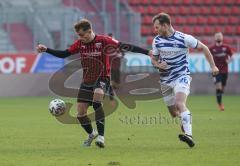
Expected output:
{"points": [[155, 2], [229, 2], [212, 20], [151, 10], [141, 9], [207, 41], [214, 10], [225, 10], [198, 30], [205, 10], [235, 10], [188, 29], [145, 30], [230, 30], [186, 2], [218, 2], [173, 10], [162, 9], [201, 20], [219, 29], [180, 20], [223, 20], [228, 40], [144, 2], [192, 20], [149, 40], [194, 10], [234, 20], [208, 30], [183, 10], [147, 20], [197, 2], [177, 2], [208, 2], [238, 30]]}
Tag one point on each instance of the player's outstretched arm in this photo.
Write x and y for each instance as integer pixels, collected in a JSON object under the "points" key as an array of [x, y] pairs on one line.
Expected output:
{"points": [[209, 57], [132, 48], [57, 53]]}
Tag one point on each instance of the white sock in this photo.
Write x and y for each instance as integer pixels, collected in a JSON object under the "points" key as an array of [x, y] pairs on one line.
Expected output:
{"points": [[186, 119], [93, 133]]}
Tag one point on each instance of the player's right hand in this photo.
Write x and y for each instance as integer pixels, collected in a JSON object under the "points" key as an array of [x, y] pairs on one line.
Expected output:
{"points": [[41, 48], [215, 70], [162, 65], [159, 65]]}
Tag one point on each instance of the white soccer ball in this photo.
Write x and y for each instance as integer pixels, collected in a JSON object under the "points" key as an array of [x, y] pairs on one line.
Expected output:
{"points": [[57, 107]]}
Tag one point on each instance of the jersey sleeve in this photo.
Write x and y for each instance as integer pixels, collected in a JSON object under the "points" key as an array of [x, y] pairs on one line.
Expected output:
{"points": [[155, 50], [74, 48], [112, 41], [190, 41], [229, 51]]}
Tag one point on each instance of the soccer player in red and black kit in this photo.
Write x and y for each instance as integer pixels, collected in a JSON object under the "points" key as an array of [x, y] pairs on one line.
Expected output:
{"points": [[94, 51], [222, 55]]}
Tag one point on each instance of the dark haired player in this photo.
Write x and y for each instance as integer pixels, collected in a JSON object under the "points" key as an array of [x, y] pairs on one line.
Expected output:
{"points": [[222, 54]]}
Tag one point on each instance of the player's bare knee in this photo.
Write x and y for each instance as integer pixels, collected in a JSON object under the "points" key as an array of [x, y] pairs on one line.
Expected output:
{"points": [[180, 106], [82, 110], [173, 111], [174, 114], [98, 94]]}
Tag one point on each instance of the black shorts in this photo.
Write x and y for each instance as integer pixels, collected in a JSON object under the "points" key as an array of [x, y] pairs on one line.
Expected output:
{"points": [[221, 77], [85, 93]]}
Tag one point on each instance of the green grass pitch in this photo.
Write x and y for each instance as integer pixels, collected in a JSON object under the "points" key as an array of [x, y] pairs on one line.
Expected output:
{"points": [[30, 136]]}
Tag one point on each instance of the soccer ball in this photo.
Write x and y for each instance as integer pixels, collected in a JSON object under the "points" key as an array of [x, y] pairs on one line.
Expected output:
{"points": [[57, 107]]}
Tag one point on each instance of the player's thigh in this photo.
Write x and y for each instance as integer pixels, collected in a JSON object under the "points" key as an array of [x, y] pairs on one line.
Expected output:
{"points": [[182, 90], [168, 95], [224, 79], [180, 99], [101, 88], [218, 85], [85, 94], [218, 81], [82, 108]]}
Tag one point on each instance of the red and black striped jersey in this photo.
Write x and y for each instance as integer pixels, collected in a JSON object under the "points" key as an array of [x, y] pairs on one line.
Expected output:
{"points": [[220, 56], [95, 56]]}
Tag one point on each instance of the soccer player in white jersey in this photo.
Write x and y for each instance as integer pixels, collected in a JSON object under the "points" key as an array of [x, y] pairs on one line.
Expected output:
{"points": [[170, 56]]}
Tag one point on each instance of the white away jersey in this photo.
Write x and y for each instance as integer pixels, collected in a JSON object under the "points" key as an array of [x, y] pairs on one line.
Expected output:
{"points": [[174, 51]]}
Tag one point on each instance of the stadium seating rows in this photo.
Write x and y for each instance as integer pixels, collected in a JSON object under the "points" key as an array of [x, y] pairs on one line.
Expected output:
{"points": [[199, 18], [20, 35]]}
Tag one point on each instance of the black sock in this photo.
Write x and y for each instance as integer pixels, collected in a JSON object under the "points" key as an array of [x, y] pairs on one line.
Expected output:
{"points": [[99, 117], [219, 96], [86, 124]]}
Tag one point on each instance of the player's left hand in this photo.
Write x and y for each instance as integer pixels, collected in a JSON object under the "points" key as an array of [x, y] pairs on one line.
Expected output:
{"points": [[228, 60], [215, 70]]}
